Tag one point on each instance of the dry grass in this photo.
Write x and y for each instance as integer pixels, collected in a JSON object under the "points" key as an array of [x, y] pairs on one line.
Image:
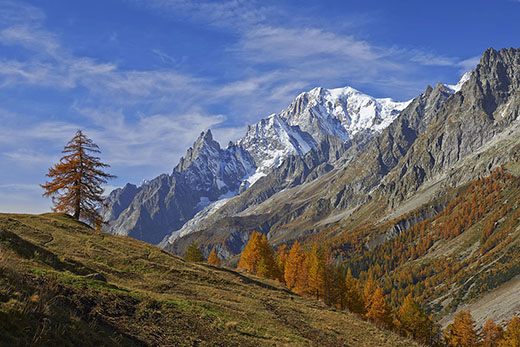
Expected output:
{"points": [[149, 297]]}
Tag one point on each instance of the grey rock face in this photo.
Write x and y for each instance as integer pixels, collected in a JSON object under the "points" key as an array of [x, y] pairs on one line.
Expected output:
{"points": [[485, 107], [208, 173], [168, 201], [294, 171], [440, 140]]}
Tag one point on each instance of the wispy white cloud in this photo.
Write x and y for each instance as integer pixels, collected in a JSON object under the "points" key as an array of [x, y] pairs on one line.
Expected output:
{"points": [[431, 59], [149, 141], [30, 37], [469, 64], [29, 158], [148, 117], [15, 12], [129, 138], [277, 43]]}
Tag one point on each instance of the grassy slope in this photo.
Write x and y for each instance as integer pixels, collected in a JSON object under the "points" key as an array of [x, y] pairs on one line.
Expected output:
{"points": [[149, 297]]}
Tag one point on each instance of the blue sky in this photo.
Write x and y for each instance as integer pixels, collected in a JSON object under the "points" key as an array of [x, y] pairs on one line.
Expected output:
{"points": [[142, 78]]}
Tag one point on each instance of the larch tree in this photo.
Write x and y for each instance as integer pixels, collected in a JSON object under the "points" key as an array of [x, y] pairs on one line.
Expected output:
{"points": [[281, 259], [369, 288], [193, 253], [267, 267], [353, 295], [76, 181], [213, 258], [251, 254], [378, 310], [491, 334], [295, 273], [512, 333], [413, 322], [462, 331], [258, 257], [316, 276]]}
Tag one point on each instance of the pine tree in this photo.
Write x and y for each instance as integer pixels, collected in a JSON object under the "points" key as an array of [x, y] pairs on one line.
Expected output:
{"points": [[262, 269], [353, 295], [462, 331], [378, 310], [414, 323], [295, 274], [512, 334], [193, 253], [76, 182], [491, 334], [213, 258]]}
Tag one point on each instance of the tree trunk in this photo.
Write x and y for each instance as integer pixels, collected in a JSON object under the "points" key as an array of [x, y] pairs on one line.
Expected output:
{"points": [[77, 203]]}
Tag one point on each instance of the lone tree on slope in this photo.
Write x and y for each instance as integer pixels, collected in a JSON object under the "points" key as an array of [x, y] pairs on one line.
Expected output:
{"points": [[76, 182], [193, 253]]}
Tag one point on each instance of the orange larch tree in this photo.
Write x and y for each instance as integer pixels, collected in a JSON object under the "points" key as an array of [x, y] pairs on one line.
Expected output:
{"points": [[267, 266], [316, 276], [213, 258], [76, 182], [512, 333], [378, 310], [413, 322], [295, 273], [258, 257], [369, 288], [251, 254], [491, 334], [353, 295], [462, 331]]}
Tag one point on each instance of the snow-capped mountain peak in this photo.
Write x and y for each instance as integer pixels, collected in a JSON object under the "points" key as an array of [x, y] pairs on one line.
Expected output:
{"points": [[456, 87], [341, 112], [207, 173]]}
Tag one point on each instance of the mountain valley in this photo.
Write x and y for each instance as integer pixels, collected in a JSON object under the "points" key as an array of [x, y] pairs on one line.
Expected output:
{"points": [[371, 180]]}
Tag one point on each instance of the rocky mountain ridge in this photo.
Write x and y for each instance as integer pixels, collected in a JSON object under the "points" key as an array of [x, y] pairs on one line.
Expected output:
{"points": [[441, 140], [209, 174]]}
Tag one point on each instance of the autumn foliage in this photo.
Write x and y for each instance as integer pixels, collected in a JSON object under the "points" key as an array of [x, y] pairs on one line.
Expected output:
{"points": [[76, 182], [213, 258], [258, 257], [413, 322], [491, 333], [511, 334], [313, 273], [386, 284], [295, 273], [462, 331], [378, 310]]}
